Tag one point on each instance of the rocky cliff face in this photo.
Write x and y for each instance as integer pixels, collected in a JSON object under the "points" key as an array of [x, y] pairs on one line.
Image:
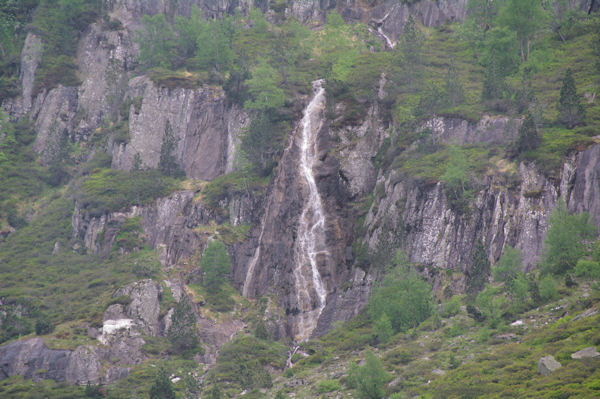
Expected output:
{"points": [[434, 234], [203, 127]]}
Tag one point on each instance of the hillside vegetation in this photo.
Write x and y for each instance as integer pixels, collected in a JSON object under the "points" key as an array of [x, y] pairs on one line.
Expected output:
{"points": [[536, 62]]}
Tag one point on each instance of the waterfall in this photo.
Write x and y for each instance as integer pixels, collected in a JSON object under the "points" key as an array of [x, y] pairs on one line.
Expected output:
{"points": [[252, 264], [309, 247], [310, 242]]}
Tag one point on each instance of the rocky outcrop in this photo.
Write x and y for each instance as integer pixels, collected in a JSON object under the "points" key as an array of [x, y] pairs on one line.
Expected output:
{"points": [[144, 308], [27, 357], [33, 359], [494, 130], [199, 121], [390, 18], [586, 353], [547, 365], [434, 234], [170, 224]]}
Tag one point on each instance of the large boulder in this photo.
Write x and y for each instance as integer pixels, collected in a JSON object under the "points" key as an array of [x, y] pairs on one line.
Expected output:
{"points": [[547, 364], [586, 353]]}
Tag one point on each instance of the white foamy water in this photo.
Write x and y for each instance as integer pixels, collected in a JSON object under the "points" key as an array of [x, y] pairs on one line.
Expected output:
{"points": [[310, 243], [311, 294]]}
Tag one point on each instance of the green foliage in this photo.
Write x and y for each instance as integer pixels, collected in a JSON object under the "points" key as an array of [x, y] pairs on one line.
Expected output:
{"points": [[524, 18], [167, 163], [328, 386], [456, 180], [570, 111], [244, 361], [113, 190], [500, 60], [509, 265], [368, 380], [403, 297], [529, 138], [229, 185], [410, 45], [565, 241], [130, 236], [589, 269], [157, 42], [263, 88], [491, 305], [479, 272], [182, 332], [383, 329], [548, 290], [162, 388], [215, 264], [262, 142], [43, 326], [14, 14], [59, 23], [451, 308]]}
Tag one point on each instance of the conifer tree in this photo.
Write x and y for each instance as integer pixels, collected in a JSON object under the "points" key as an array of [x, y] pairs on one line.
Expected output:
{"points": [[478, 274], [410, 45], [529, 138], [162, 388], [570, 110]]}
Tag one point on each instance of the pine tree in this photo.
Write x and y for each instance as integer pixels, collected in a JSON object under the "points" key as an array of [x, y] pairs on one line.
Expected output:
{"points": [[215, 264], [570, 110], [528, 139], [454, 88], [162, 387], [478, 274], [167, 163], [182, 332], [410, 45]]}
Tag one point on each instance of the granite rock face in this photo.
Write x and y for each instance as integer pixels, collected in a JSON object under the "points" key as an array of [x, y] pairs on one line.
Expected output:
{"points": [[199, 120]]}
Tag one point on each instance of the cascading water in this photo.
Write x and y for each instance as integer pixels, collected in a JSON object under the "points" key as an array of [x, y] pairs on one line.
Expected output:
{"points": [[310, 243], [309, 247]]}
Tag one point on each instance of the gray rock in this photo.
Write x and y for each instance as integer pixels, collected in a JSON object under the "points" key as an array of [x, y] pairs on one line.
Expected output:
{"points": [[498, 130], [587, 313], [53, 112], [26, 358], [547, 364], [144, 307], [200, 121], [31, 55], [586, 353]]}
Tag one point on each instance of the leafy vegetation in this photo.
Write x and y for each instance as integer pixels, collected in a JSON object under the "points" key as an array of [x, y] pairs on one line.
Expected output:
{"points": [[111, 190]]}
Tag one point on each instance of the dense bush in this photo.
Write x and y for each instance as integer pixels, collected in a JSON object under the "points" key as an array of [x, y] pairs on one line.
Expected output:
{"points": [[113, 190], [245, 360], [566, 239], [368, 380], [402, 296]]}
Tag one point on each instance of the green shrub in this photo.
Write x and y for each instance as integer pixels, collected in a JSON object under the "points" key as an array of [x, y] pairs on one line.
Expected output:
{"points": [[403, 297], [111, 190], [244, 362], [398, 356], [588, 269], [451, 308], [43, 326], [548, 290], [328, 386], [565, 240], [368, 380]]}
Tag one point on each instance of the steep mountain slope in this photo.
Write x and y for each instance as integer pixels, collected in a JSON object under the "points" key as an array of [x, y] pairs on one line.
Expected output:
{"points": [[329, 147]]}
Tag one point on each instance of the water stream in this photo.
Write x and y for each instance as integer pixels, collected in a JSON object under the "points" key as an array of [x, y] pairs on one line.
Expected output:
{"points": [[310, 244], [310, 247]]}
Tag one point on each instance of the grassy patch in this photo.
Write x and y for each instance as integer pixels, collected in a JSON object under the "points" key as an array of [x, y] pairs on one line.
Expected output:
{"points": [[109, 190]]}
